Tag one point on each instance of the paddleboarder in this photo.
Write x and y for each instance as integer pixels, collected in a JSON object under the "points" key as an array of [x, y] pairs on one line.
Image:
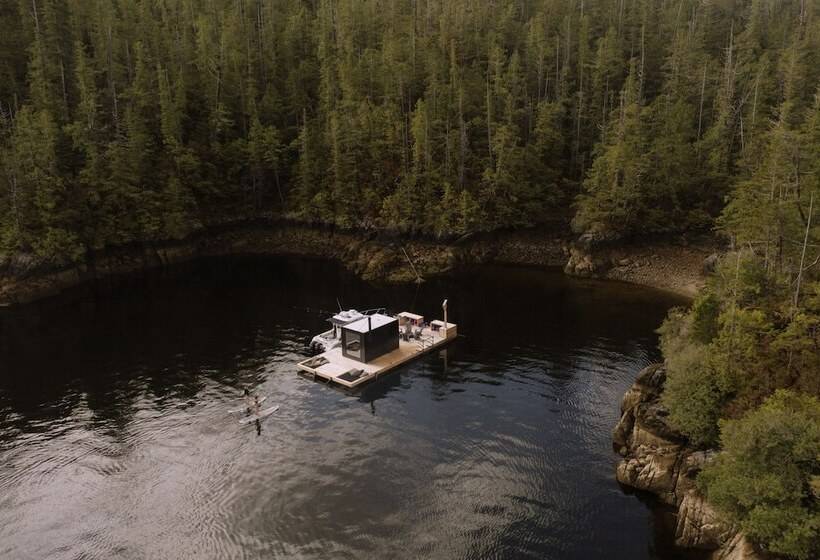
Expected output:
{"points": [[256, 407], [250, 401]]}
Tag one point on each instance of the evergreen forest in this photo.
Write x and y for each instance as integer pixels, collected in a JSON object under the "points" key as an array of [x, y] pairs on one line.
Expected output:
{"points": [[143, 120]]}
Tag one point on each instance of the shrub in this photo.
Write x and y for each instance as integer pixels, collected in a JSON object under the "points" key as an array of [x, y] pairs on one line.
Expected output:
{"points": [[691, 393], [766, 478], [705, 312]]}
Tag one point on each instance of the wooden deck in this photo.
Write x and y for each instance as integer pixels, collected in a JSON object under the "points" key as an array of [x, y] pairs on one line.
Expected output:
{"points": [[333, 367]]}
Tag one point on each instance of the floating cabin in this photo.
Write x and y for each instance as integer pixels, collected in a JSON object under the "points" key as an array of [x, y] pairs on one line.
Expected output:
{"points": [[376, 344], [370, 337]]}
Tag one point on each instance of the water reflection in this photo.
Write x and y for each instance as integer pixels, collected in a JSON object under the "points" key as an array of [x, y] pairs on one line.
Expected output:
{"points": [[115, 437]]}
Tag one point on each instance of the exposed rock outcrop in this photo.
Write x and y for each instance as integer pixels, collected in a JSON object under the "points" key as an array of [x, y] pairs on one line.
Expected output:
{"points": [[673, 264], [589, 256], [657, 459]]}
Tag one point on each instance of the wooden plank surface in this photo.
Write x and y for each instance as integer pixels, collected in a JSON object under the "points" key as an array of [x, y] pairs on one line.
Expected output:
{"points": [[339, 364]]}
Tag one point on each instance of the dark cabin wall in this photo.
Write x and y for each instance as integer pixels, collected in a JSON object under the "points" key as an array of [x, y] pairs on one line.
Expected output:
{"points": [[381, 340]]}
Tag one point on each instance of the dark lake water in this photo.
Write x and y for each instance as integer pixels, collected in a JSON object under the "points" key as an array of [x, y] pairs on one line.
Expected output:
{"points": [[116, 442]]}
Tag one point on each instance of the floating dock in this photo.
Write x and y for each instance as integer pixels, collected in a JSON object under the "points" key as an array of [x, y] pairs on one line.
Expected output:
{"points": [[333, 366]]}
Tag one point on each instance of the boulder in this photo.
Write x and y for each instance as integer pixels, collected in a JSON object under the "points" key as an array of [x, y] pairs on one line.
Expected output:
{"points": [[633, 397], [652, 417], [689, 468], [592, 239], [738, 548], [699, 525], [643, 418], [622, 432], [585, 264], [710, 263], [652, 378], [651, 469]]}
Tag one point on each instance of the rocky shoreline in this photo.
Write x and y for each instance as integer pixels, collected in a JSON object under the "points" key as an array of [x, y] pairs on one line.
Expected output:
{"points": [[659, 460], [372, 256], [678, 266]]}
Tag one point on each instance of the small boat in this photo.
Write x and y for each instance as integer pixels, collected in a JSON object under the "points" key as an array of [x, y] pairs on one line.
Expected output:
{"points": [[333, 338]]}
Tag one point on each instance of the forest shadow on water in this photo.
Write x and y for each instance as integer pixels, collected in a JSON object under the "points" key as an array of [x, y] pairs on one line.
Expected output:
{"points": [[116, 440]]}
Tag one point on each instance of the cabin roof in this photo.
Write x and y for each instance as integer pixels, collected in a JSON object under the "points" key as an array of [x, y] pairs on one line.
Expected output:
{"points": [[370, 322]]}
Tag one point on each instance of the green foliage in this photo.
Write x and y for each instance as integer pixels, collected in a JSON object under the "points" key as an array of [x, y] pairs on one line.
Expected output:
{"points": [[460, 213], [742, 339], [739, 353], [691, 393], [167, 116], [616, 183], [764, 477], [178, 204], [36, 214], [705, 312], [745, 359]]}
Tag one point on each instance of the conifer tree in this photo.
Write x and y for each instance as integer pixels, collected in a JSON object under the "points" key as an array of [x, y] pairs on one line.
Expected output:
{"points": [[615, 188]]}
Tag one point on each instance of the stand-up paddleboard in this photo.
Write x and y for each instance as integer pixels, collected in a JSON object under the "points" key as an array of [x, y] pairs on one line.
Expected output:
{"points": [[261, 416], [244, 408]]}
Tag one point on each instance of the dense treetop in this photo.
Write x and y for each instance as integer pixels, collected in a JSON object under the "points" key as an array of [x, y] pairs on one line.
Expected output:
{"points": [[140, 120]]}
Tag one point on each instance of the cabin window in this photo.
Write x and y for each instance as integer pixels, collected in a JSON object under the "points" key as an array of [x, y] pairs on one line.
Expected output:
{"points": [[353, 345]]}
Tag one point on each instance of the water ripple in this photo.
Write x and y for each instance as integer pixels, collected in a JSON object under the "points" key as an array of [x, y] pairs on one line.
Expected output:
{"points": [[497, 448]]}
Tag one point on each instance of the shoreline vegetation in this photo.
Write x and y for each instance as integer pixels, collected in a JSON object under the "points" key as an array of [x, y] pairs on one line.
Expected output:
{"points": [[130, 129]]}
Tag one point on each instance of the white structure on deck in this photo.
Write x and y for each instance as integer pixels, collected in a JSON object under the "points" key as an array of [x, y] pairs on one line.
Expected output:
{"points": [[333, 338], [374, 346]]}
